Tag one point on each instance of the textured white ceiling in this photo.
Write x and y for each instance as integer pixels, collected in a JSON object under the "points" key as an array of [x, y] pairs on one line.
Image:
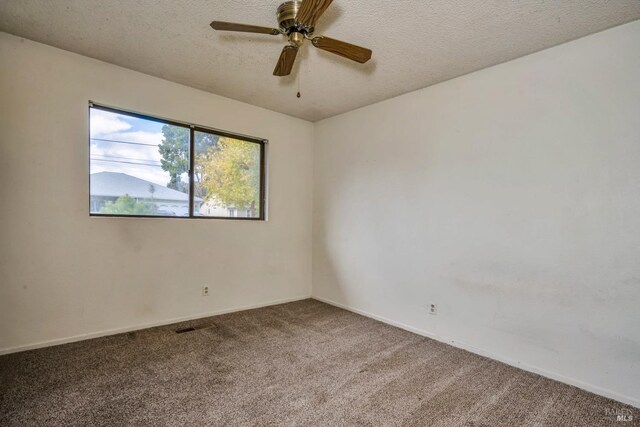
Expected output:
{"points": [[415, 43]]}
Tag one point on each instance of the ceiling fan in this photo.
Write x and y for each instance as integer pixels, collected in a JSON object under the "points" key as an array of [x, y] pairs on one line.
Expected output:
{"points": [[297, 20]]}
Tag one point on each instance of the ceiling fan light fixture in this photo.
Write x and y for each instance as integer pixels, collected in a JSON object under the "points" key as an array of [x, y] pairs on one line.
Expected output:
{"points": [[296, 39]]}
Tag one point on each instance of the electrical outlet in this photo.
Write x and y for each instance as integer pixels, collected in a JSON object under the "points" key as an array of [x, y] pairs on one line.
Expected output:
{"points": [[205, 291], [433, 308]]}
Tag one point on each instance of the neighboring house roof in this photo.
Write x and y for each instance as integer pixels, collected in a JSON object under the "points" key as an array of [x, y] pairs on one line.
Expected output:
{"points": [[113, 184]]}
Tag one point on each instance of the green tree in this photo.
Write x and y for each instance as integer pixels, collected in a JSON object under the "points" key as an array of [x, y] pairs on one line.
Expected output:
{"points": [[174, 150], [231, 173], [206, 144], [127, 205]]}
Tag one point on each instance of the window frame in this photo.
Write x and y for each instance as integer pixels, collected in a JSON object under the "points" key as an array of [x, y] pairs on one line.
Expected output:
{"points": [[193, 128]]}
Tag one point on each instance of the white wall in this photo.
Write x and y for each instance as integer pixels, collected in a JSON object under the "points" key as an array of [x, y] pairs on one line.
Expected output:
{"points": [[511, 198], [64, 274]]}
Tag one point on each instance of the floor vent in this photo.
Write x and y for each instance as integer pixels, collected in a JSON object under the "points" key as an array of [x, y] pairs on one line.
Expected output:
{"points": [[183, 330]]}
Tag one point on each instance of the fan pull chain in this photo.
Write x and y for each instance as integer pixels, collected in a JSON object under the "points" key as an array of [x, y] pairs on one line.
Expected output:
{"points": [[299, 74]]}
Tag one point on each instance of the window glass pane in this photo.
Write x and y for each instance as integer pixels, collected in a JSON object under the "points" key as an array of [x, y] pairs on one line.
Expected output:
{"points": [[137, 166], [226, 176]]}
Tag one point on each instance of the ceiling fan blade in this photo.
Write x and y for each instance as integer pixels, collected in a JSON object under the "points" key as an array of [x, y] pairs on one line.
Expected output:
{"points": [[244, 28], [347, 50], [286, 60], [311, 10]]}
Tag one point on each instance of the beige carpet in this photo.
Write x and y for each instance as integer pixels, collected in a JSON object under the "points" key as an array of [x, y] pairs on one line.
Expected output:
{"points": [[304, 363]]}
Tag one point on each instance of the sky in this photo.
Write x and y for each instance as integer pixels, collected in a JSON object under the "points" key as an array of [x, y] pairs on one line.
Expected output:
{"points": [[117, 154]]}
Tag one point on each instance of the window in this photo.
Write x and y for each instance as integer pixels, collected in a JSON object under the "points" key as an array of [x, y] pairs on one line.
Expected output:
{"points": [[148, 167]]}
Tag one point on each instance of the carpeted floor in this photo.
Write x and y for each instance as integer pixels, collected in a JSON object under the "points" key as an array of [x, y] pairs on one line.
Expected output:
{"points": [[303, 363]]}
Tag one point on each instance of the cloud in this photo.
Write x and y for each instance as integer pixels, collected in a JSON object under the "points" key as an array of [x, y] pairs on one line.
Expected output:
{"points": [[115, 156], [140, 136], [103, 123], [149, 153]]}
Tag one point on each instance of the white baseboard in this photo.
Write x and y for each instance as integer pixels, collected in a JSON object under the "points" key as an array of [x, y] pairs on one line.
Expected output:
{"points": [[138, 327], [545, 373]]}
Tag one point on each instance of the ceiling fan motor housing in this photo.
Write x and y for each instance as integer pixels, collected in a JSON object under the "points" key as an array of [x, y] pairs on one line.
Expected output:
{"points": [[287, 13]]}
